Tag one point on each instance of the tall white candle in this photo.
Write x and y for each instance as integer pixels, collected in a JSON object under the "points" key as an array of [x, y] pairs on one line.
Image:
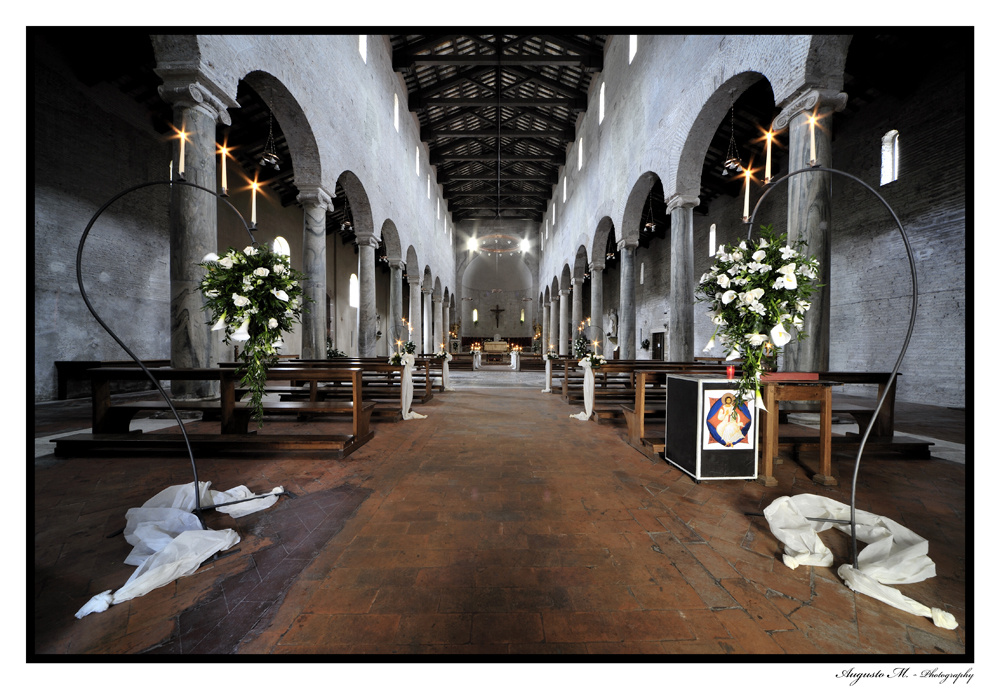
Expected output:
{"points": [[225, 184], [767, 164], [180, 164], [253, 203], [812, 140], [746, 198]]}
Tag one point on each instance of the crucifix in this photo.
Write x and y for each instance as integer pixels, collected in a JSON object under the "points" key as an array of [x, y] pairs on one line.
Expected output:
{"points": [[497, 311]]}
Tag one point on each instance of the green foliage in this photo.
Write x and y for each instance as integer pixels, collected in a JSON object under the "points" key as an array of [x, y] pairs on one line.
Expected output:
{"points": [[757, 293], [580, 346], [332, 352], [254, 296], [409, 347]]}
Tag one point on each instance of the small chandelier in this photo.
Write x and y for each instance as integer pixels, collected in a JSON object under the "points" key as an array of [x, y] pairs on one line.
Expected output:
{"points": [[732, 161], [270, 154]]}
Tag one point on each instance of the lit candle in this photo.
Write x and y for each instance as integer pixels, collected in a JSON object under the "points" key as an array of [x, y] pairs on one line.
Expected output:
{"points": [[171, 171], [225, 183], [730, 372], [812, 140], [180, 164], [253, 203], [746, 198], [767, 164]]}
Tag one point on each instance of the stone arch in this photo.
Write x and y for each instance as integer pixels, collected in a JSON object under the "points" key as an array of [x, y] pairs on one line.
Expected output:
{"points": [[390, 237], [565, 277], [294, 125], [692, 155], [605, 228], [555, 287], [361, 207], [632, 215], [580, 263], [427, 283], [411, 258], [436, 290]]}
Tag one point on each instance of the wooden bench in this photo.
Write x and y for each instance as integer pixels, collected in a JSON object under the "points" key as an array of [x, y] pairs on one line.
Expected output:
{"points": [[111, 421], [426, 370], [67, 371]]}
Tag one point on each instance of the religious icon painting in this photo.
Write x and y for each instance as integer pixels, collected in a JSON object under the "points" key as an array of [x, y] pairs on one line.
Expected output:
{"points": [[728, 424]]}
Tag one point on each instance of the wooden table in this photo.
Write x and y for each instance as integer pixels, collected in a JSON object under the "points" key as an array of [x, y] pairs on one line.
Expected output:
{"points": [[800, 391]]}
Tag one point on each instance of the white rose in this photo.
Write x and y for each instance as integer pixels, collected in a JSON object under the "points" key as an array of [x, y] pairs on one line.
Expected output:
{"points": [[250, 251], [226, 262], [261, 272], [272, 323], [723, 281], [240, 300], [279, 268]]}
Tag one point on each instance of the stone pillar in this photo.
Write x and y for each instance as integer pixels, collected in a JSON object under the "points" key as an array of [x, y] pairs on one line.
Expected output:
{"points": [[809, 216], [315, 202], [577, 316], [597, 304], [544, 344], [565, 332], [446, 324], [554, 322], [367, 326], [680, 326], [428, 324], [626, 307], [198, 105], [395, 317], [438, 330], [415, 335]]}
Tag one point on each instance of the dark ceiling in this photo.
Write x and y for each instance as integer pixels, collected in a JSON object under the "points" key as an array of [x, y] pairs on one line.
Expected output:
{"points": [[452, 82]]}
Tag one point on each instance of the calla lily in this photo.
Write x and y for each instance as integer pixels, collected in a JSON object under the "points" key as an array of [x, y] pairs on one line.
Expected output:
{"points": [[755, 294], [278, 343], [728, 296], [711, 345], [759, 255], [242, 333], [280, 294], [718, 319], [763, 243], [780, 336], [723, 281], [735, 354], [210, 256], [221, 323], [760, 402]]}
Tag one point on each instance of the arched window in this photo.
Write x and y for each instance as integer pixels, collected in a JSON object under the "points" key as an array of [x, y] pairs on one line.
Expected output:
{"points": [[280, 246], [711, 240], [600, 106], [354, 293], [363, 47], [475, 315], [633, 46], [890, 157], [395, 111], [579, 155]]}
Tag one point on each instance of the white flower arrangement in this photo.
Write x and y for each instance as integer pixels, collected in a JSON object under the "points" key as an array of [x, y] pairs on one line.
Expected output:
{"points": [[551, 355], [254, 297], [754, 303], [593, 361]]}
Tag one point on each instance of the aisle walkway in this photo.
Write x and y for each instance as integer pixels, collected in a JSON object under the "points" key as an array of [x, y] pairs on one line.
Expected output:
{"points": [[496, 525]]}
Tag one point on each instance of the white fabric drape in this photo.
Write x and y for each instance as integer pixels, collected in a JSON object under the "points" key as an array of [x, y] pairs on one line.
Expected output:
{"points": [[444, 372], [406, 381], [476, 360], [168, 541], [514, 360], [894, 554], [548, 375], [588, 392]]}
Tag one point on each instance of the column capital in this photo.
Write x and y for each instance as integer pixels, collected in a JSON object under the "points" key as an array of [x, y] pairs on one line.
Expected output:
{"points": [[366, 239], [564, 291], [413, 280], [190, 87], [809, 100], [628, 244], [315, 195], [436, 298], [396, 263], [576, 281], [597, 266], [682, 201]]}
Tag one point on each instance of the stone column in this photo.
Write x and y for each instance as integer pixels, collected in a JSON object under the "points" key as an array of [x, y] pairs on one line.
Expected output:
{"points": [[428, 324], [680, 328], [544, 344], [577, 316], [367, 326], [438, 330], [446, 325], [626, 308], [597, 304], [415, 336], [198, 105], [315, 202], [809, 216], [565, 332], [554, 322], [395, 317]]}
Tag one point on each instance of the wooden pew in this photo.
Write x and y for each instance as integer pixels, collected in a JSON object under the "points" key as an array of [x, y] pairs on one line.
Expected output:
{"points": [[111, 420], [426, 370], [67, 371]]}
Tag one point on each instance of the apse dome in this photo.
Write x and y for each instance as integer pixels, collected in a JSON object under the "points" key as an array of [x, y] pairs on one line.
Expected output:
{"points": [[505, 271]]}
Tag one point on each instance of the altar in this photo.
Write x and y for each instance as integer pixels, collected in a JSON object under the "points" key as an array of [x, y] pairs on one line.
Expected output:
{"points": [[496, 352]]}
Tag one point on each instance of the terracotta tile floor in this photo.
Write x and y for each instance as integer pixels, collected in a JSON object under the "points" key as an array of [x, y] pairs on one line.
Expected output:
{"points": [[497, 525]]}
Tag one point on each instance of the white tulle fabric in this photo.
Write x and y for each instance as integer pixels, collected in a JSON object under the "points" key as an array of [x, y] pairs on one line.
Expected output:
{"points": [[444, 372], [406, 381], [548, 375], [588, 392], [168, 541], [894, 554]]}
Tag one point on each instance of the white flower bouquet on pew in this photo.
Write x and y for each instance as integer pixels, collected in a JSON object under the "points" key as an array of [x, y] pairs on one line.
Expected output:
{"points": [[254, 297], [593, 361], [757, 292]]}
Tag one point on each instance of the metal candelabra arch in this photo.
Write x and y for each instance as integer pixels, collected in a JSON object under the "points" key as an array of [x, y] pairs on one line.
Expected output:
{"points": [[906, 341], [83, 292]]}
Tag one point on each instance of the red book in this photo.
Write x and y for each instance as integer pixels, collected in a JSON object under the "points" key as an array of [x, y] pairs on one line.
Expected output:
{"points": [[777, 376]]}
